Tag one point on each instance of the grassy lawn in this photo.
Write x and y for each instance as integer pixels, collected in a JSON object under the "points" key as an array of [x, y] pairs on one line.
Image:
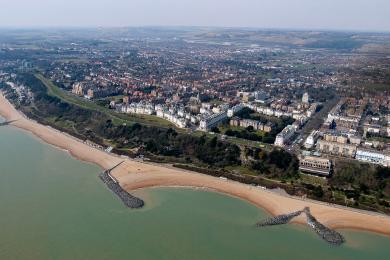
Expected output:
{"points": [[113, 98], [237, 141], [117, 118], [313, 179], [243, 142]]}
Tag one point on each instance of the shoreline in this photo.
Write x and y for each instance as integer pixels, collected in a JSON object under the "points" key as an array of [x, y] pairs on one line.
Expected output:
{"points": [[134, 175]]}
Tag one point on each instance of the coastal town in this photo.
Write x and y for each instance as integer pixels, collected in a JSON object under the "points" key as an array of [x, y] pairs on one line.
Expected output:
{"points": [[195, 129], [309, 102]]}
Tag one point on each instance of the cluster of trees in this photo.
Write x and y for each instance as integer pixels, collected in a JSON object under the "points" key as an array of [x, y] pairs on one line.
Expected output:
{"points": [[321, 94], [244, 134], [50, 106], [249, 134], [168, 142], [11, 94], [245, 113], [363, 178], [316, 191], [277, 164]]}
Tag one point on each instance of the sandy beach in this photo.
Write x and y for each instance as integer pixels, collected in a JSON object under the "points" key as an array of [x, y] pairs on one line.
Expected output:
{"points": [[134, 175]]}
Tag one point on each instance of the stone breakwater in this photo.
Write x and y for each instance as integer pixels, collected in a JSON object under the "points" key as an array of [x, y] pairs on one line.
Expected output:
{"points": [[279, 220], [329, 235], [127, 199]]}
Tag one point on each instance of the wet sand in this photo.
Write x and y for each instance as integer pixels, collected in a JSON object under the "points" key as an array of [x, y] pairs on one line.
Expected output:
{"points": [[133, 175]]}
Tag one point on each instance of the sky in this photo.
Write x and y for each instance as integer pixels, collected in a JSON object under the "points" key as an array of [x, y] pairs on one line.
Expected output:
{"points": [[362, 15]]}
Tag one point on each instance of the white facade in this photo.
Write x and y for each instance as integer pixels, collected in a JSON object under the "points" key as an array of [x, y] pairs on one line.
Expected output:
{"points": [[174, 118], [305, 98], [311, 139], [372, 156], [179, 118], [211, 121], [204, 110], [284, 136], [234, 110]]}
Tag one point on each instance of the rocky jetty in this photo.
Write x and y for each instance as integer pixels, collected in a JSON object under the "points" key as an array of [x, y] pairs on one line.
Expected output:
{"points": [[128, 199], [279, 220], [329, 235]]}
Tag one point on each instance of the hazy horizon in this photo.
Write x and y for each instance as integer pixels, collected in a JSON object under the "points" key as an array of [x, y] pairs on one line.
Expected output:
{"points": [[347, 15]]}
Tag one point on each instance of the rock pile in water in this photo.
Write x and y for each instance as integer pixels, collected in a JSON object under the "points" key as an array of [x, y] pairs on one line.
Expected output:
{"points": [[279, 220], [329, 235], [128, 199]]}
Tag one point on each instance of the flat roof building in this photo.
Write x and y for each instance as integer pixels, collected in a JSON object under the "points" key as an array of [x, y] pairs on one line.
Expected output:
{"points": [[335, 148], [316, 165]]}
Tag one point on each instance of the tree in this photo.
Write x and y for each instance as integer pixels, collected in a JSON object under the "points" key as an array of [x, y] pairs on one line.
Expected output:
{"points": [[229, 132], [318, 192], [250, 128], [280, 158], [215, 130]]}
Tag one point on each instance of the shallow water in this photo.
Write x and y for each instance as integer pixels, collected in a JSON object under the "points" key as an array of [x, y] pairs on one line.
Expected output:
{"points": [[55, 207]]}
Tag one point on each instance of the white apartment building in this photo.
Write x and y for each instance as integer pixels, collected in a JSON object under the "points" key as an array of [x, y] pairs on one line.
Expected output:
{"points": [[311, 139], [232, 111], [211, 121], [284, 136], [373, 156]]}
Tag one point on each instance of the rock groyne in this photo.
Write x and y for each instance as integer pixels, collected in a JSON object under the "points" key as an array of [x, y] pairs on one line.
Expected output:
{"points": [[127, 199], [279, 220], [329, 235]]}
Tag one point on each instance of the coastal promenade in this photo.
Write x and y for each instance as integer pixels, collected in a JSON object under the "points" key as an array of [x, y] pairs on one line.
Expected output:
{"points": [[133, 175]]}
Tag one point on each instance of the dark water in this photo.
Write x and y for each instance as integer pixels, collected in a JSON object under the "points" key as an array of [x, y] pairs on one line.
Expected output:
{"points": [[55, 207]]}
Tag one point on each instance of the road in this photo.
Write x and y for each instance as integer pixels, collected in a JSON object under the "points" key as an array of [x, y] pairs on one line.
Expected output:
{"points": [[314, 123]]}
